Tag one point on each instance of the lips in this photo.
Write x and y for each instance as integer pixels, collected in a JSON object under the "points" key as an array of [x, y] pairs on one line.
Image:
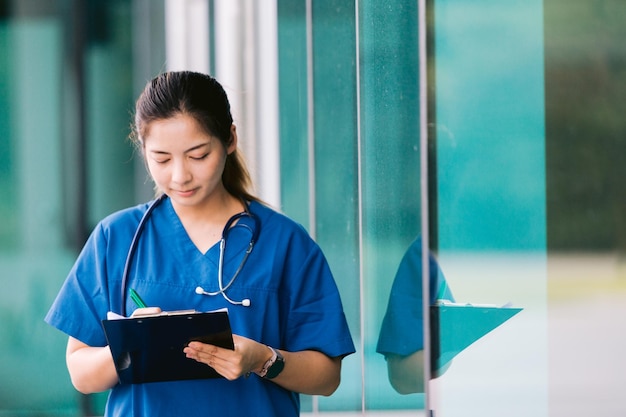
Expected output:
{"points": [[185, 193]]}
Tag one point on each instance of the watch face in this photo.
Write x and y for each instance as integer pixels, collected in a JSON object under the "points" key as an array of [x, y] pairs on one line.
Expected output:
{"points": [[277, 366]]}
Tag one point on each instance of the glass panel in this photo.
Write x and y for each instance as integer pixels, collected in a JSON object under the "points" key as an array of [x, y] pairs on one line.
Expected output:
{"points": [[32, 235], [293, 87], [526, 207], [391, 200], [334, 197], [8, 227], [491, 227], [109, 103], [62, 89], [293, 101], [585, 145], [336, 192]]}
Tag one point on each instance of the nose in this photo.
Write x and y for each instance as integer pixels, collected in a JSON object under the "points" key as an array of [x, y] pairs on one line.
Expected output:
{"points": [[180, 172]]}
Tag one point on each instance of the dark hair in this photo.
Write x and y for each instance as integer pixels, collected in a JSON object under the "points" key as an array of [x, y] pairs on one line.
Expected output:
{"points": [[203, 98]]}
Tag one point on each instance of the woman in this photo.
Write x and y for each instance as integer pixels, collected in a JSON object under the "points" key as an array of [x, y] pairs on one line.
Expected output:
{"points": [[289, 329]]}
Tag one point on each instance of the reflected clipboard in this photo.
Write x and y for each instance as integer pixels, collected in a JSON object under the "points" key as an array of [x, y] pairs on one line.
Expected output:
{"points": [[454, 327], [150, 349]]}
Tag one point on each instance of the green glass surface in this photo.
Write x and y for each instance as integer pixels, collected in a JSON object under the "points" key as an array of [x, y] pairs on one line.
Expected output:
{"points": [[585, 73], [109, 107], [390, 170], [32, 260], [39, 165], [491, 193], [335, 155], [8, 227], [527, 203], [293, 101]]}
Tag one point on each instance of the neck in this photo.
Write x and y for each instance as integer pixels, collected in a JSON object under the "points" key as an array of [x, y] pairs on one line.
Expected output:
{"points": [[204, 223], [215, 209]]}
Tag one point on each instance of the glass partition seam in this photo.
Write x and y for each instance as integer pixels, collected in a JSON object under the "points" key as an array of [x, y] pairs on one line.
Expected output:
{"points": [[360, 199], [423, 109], [77, 89], [310, 117], [311, 139], [211, 34]]}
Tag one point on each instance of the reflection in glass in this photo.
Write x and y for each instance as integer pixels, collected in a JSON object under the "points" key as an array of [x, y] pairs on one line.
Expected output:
{"points": [[401, 335]]}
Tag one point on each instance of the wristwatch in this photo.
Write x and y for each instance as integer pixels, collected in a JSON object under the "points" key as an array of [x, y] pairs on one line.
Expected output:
{"points": [[274, 365]]}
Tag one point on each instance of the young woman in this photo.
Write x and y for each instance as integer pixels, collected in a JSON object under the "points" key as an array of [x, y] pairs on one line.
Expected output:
{"points": [[289, 329]]}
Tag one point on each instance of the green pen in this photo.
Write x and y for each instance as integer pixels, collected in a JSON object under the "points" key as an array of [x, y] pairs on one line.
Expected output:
{"points": [[137, 299]]}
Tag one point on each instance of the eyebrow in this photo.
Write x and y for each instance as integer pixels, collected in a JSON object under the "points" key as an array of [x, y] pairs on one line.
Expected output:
{"points": [[193, 148]]}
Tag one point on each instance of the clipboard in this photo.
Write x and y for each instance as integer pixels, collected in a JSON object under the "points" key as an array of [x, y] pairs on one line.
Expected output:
{"points": [[454, 327], [150, 349]]}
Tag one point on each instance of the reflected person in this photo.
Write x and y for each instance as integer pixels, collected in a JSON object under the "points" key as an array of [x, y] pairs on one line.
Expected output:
{"points": [[401, 336]]}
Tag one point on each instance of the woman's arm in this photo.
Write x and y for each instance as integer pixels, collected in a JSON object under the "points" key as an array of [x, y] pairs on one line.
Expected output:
{"points": [[306, 372], [91, 368], [406, 373], [309, 372]]}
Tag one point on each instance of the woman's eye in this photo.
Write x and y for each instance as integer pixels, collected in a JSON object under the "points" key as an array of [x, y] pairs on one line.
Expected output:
{"points": [[161, 161], [200, 157]]}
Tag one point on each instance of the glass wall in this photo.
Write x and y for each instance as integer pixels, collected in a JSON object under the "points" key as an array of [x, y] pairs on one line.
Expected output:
{"points": [[350, 164], [66, 92], [585, 72], [35, 252], [525, 149], [491, 200], [529, 140]]}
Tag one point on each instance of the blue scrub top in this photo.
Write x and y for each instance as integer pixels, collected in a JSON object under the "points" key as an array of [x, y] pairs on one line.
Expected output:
{"points": [[402, 328], [295, 304]]}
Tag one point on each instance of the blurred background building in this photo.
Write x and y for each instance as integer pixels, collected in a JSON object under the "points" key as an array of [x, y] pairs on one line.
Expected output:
{"points": [[519, 180]]}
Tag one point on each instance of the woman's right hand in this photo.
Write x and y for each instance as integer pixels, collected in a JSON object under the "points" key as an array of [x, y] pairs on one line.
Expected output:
{"points": [[146, 311]]}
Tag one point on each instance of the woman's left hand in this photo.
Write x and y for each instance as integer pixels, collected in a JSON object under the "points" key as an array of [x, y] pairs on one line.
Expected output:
{"points": [[248, 356], [307, 371]]}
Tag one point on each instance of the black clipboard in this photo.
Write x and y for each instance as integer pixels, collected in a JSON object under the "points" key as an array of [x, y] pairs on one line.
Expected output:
{"points": [[150, 349], [454, 327]]}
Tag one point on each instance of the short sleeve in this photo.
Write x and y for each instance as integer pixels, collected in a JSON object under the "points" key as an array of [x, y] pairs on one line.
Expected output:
{"points": [[316, 319], [83, 300], [402, 328]]}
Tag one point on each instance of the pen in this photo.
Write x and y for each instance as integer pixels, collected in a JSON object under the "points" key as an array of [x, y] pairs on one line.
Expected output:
{"points": [[137, 299]]}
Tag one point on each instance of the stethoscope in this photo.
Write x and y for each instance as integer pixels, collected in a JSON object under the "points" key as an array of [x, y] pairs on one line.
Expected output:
{"points": [[254, 231]]}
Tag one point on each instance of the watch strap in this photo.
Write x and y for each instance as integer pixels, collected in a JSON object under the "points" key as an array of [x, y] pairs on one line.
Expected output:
{"points": [[273, 366]]}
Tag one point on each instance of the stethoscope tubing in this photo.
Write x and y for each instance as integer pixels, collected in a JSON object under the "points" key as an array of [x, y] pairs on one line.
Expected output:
{"points": [[220, 277], [133, 249]]}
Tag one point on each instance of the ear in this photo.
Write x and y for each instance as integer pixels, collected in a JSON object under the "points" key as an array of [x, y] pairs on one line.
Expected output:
{"points": [[232, 143]]}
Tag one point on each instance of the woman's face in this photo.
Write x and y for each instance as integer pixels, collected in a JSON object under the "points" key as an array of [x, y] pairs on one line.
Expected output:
{"points": [[184, 161]]}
